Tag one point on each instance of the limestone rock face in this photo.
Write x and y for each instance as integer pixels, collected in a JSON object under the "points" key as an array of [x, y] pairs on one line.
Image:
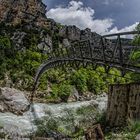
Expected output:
{"points": [[74, 96], [45, 44], [66, 43], [71, 32], [17, 11], [86, 34], [18, 38], [138, 137], [12, 100], [93, 37]]}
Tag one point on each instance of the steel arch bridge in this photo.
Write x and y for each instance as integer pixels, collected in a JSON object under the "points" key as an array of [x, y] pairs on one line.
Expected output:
{"points": [[104, 52]]}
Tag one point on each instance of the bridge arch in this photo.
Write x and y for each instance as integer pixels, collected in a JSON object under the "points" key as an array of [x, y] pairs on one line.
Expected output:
{"points": [[104, 53]]}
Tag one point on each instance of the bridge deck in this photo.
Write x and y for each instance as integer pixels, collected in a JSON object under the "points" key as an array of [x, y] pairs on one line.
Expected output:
{"points": [[103, 52]]}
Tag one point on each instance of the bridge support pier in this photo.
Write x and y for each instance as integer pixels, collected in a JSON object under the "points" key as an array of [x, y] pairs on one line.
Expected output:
{"points": [[123, 104]]}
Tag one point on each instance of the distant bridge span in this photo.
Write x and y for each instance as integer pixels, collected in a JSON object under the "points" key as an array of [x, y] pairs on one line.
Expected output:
{"points": [[99, 52]]}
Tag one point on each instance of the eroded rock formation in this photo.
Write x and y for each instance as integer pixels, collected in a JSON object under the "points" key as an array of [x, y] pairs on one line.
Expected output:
{"points": [[17, 11], [12, 100]]}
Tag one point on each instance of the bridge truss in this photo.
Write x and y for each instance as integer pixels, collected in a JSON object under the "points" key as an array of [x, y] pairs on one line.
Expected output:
{"points": [[107, 51]]}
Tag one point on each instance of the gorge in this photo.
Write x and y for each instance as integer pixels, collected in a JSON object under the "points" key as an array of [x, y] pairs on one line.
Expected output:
{"points": [[69, 100]]}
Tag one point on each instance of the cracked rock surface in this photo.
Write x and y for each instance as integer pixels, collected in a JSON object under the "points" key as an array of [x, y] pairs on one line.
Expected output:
{"points": [[17, 11], [12, 100]]}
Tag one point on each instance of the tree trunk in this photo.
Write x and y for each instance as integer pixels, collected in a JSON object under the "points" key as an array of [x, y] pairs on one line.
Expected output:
{"points": [[123, 104], [94, 133]]}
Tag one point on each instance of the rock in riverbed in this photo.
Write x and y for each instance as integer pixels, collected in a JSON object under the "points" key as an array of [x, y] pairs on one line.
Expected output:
{"points": [[12, 100], [52, 119]]}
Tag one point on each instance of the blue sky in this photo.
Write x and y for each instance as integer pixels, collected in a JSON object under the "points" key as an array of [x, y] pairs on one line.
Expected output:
{"points": [[116, 15]]}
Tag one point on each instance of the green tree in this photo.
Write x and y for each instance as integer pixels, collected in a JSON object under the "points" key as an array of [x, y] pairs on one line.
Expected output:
{"points": [[136, 40], [135, 56]]}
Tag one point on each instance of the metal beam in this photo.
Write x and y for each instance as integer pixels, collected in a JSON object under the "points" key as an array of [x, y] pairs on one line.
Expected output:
{"points": [[122, 33]]}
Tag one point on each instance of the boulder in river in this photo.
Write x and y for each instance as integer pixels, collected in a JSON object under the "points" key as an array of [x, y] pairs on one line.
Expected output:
{"points": [[12, 100], [48, 120]]}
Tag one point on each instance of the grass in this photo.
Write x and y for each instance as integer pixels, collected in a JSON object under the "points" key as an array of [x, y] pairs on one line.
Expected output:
{"points": [[128, 133]]}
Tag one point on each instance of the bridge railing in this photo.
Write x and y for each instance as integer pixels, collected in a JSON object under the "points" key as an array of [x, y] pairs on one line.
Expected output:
{"points": [[122, 33], [104, 51], [123, 49]]}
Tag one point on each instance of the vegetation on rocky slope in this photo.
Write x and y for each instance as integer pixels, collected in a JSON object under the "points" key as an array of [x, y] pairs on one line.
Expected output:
{"points": [[18, 66], [23, 49]]}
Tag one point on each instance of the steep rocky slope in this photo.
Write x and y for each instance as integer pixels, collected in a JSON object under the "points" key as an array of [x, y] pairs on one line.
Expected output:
{"points": [[26, 41], [18, 11], [31, 15]]}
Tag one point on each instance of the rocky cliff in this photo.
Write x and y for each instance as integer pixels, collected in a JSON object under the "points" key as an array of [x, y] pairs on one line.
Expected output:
{"points": [[18, 11], [30, 40], [31, 14], [72, 33]]}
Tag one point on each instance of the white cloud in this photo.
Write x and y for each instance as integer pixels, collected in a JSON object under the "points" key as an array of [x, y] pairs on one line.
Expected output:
{"points": [[76, 14], [83, 17], [125, 29]]}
